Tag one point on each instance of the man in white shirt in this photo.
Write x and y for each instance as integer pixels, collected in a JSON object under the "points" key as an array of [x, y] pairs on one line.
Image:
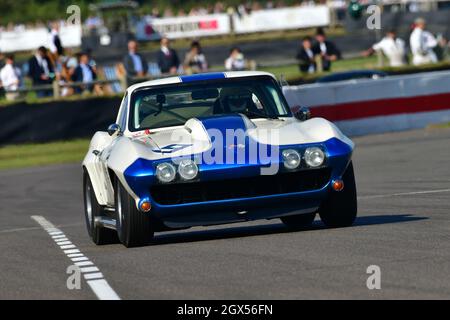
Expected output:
{"points": [[56, 47], [10, 78], [392, 47], [235, 61], [422, 43]]}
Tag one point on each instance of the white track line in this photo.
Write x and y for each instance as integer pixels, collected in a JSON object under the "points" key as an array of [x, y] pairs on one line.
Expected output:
{"points": [[91, 273], [404, 194]]}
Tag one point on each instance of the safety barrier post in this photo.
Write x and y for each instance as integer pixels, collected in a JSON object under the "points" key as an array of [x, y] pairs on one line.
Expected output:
{"points": [[380, 59], [124, 82], [319, 65], [56, 88]]}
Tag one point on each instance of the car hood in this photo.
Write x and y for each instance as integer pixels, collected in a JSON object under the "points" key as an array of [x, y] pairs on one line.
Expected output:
{"points": [[202, 134]]}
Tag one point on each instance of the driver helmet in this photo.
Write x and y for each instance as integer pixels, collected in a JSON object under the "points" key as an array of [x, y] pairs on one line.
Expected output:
{"points": [[235, 100]]}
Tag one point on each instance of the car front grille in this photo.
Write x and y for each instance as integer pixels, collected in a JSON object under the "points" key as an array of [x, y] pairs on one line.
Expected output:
{"points": [[264, 185]]}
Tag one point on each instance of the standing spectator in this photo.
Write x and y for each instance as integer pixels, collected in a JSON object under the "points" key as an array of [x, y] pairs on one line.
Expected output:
{"points": [[392, 47], [442, 50], [72, 62], [56, 47], [84, 73], [422, 43], [135, 63], [41, 71], [326, 49], [235, 61], [10, 77], [2, 57], [65, 77], [195, 60], [92, 61], [167, 58], [305, 56]]}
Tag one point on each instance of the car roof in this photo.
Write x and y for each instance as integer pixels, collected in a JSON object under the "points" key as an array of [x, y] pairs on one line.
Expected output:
{"points": [[199, 77]]}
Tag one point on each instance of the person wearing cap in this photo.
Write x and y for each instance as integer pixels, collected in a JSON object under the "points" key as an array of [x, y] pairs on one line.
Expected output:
{"points": [[392, 47], [326, 49], [422, 43]]}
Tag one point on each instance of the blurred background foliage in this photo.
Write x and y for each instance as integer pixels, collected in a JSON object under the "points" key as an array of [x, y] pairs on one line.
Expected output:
{"points": [[30, 11]]}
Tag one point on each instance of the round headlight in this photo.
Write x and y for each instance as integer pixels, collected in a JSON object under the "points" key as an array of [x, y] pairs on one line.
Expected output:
{"points": [[187, 169], [291, 159], [314, 157], [166, 172]]}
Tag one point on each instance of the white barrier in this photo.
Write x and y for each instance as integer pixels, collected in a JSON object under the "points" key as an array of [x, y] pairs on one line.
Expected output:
{"points": [[11, 41], [394, 103], [219, 24], [282, 19], [183, 27]]}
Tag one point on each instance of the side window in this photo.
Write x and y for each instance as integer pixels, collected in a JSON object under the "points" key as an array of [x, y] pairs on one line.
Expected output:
{"points": [[122, 119]]}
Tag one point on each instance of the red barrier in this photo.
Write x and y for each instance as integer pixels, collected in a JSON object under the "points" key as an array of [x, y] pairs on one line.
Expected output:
{"points": [[385, 107]]}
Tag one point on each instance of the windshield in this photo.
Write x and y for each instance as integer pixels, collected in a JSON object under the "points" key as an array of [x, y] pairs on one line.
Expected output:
{"points": [[175, 104]]}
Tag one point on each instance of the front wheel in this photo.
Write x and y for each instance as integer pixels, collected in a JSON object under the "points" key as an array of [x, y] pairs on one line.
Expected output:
{"points": [[92, 210], [133, 227], [340, 209]]}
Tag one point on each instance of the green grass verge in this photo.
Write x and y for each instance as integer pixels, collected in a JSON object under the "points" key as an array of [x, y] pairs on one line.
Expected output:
{"points": [[231, 40], [293, 76], [291, 72], [440, 126], [32, 155]]}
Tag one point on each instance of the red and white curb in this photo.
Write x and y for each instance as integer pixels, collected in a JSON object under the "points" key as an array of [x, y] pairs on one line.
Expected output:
{"points": [[91, 273]]}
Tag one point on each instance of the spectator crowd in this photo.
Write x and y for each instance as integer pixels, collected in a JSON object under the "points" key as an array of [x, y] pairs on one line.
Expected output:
{"points": [[424, 46], [49, 65], [76, 73]]}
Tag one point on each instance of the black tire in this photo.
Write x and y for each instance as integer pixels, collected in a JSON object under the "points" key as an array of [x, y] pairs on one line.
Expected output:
{"points": [[341, 208], [300, 221], [133, 227], [99, 235]]}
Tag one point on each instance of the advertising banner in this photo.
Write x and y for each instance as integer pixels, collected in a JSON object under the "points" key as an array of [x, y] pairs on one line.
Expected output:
{"points": [[282, 19], [24, 40], [183, 27]]}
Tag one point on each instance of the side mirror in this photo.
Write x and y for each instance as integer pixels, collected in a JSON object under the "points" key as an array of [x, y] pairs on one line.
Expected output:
{"points": [[302, 113], [114, 129]]}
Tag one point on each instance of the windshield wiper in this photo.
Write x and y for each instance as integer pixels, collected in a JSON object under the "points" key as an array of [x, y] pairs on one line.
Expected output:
{"points": [[261, 115]]}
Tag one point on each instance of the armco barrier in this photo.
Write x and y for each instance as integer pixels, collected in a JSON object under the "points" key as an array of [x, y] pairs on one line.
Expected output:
{"points": [[394, 103], [358, 107], [58, 120]]}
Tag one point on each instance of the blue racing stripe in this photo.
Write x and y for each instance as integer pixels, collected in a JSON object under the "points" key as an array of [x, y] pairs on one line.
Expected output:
{"points": [[203, 77], [222, 123]]}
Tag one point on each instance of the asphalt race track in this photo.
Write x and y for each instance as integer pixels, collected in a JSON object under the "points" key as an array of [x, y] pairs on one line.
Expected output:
{"points": [[403, 227]]}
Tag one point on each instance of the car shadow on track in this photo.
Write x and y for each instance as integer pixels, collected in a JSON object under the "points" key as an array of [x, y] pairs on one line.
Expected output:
{"points": [[278, 228]]}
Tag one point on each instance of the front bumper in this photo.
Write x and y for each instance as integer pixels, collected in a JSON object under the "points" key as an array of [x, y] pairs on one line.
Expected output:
{"points": [[206, 211]]}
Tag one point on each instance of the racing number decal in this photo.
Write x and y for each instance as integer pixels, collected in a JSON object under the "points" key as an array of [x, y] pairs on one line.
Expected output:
{"points": [[172, 148]]}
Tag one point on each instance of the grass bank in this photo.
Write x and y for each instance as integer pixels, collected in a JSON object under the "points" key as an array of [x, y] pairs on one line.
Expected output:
{"points": [[32, 155]]}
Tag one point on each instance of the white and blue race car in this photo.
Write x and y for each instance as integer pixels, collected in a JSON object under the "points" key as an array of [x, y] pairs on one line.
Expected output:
{"points": [[210, 149]]}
